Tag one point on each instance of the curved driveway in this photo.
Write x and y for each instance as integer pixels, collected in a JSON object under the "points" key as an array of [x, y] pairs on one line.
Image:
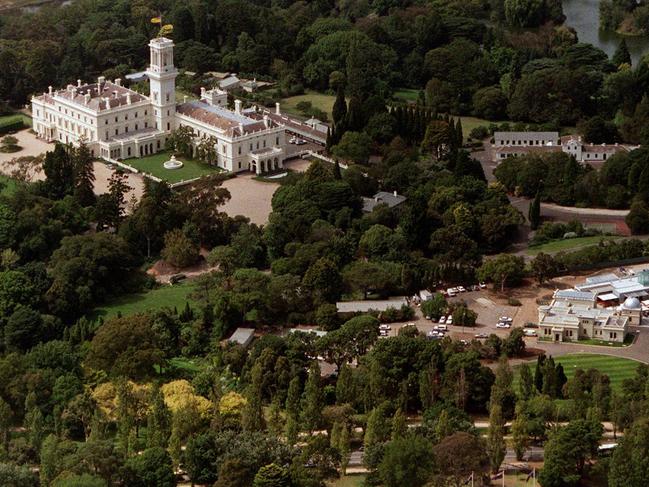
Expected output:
{"points": [[638, 351]]}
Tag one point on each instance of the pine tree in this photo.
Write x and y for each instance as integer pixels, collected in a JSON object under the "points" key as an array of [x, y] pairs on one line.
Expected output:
{"points": [[526, 384], [313, 399], [399, 426], [339, 110], [538, 373], [621, 55], [6, 416], [253, 415], [345, 390], [496, 447], [158, 421], [34, 421], [534, 213], [354, 119], [125, 418], [520, 435], [84, 175], [459, 134], [343, 448]]}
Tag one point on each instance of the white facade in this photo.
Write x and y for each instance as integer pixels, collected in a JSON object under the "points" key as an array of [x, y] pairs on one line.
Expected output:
{"points": [[118, 123]]}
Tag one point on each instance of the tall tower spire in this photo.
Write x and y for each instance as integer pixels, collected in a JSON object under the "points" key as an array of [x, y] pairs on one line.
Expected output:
{"points": [[162, 82]]}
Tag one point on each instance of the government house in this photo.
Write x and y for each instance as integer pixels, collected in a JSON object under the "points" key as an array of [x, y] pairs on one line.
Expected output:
{"points": [[119, 123]]}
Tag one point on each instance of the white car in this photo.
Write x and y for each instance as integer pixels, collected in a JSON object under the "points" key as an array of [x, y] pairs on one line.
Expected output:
{"points": [[385, 327], [449, 320], [383, 333], [461, 289], [482, 285], [452, 292], [529, 332], [292, 140], [442, 327], [442, 319], [300, 142], [502, 325], [506, 319]]}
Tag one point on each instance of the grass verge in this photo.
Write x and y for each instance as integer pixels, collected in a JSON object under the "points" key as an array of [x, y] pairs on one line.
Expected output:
{"points": [[165, 296], [568, 244]]}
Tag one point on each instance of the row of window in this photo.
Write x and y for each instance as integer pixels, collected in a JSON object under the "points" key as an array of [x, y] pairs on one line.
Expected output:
{"points": [[125, 117]]}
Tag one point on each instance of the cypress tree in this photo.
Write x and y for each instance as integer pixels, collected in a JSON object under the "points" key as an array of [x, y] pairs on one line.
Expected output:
{"points": [[313, 399], [337, 174], [355, 114], [253, 416], [158, 421], [534, 213], [496, 447], [538, 373], [621, 55], [459, 135], [339, 111]]}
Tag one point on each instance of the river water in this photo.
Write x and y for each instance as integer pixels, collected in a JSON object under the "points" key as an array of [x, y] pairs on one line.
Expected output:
{"points": [[583, 16]]}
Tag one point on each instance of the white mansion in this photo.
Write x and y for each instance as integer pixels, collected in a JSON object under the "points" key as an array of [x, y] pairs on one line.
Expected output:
{"points": [[512, 144], [118, 123]]}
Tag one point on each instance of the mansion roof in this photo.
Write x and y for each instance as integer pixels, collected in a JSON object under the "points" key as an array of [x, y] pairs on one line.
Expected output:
{"points": [[232, 123], [96, 96]]}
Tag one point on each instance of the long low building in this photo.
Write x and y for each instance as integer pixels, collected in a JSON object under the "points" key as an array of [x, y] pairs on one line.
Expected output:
{"points": [[516, 144], [574, 315], [366, 306]]}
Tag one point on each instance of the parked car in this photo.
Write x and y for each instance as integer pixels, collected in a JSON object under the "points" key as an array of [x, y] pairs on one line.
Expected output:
{"points": [[502, 325], [481, 335], [442, 319], [482, 285], [529, 333], [442, 327], [461, 289], [300, 142], [176, 278], [451, 292], [292, 140], [385, 327], [449, 320], [506, 319]]}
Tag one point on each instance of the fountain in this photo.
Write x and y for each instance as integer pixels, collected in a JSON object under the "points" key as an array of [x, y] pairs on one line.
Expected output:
{"points": [[173, 163]]}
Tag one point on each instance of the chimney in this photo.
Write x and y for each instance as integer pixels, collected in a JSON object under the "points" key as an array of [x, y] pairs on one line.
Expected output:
{"points": [[237, 107], [78, 83], [128, 98], [185, 99], [203, 92], [118, 81], [100, 83], [107, 100], [277, 110], [86, 98], [49, 88], [266, 121], [395, 193], [241, 128]]}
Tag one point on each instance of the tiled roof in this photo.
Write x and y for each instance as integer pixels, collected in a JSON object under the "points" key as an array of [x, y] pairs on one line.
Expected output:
{"points": [[223, 119]]}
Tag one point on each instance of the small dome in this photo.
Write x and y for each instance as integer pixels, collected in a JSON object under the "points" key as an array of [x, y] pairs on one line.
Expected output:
{"points": [[632, 303]]}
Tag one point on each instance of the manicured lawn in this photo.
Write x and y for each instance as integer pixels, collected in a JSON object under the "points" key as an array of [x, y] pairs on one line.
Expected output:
{"points": [[165, 296], [568, 244], [12, 118], [469, 123], [318, 100], [407, 94], [153, 165], [616, 368], [348, 481]]}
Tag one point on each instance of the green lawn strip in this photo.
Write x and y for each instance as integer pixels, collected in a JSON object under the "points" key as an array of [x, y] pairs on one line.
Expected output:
{"points": [[153, 165], [321, 101], [568, 244], [190, 365], [618, 369], [348, 481], [166, 296], [407, 94]]}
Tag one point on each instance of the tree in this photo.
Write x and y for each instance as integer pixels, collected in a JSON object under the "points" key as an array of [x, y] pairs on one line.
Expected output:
{"points": [[504, 269], [152, 468], [524, 13], [23, 329], [490, 103], [434, 307], [544, 267], [638, 217], [457, 457], [253, 415], [567, 451], [84, 175], [526, 383], [408, 461], [496, 447], [354, 147], [158, 421], [324, 280], [628, 467], [514, 344], [534, 213], [126, 347], [272, 475], [339, 110], [179, 250], [621, 55], [312, 400], [463, 316], [58, 167]]}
